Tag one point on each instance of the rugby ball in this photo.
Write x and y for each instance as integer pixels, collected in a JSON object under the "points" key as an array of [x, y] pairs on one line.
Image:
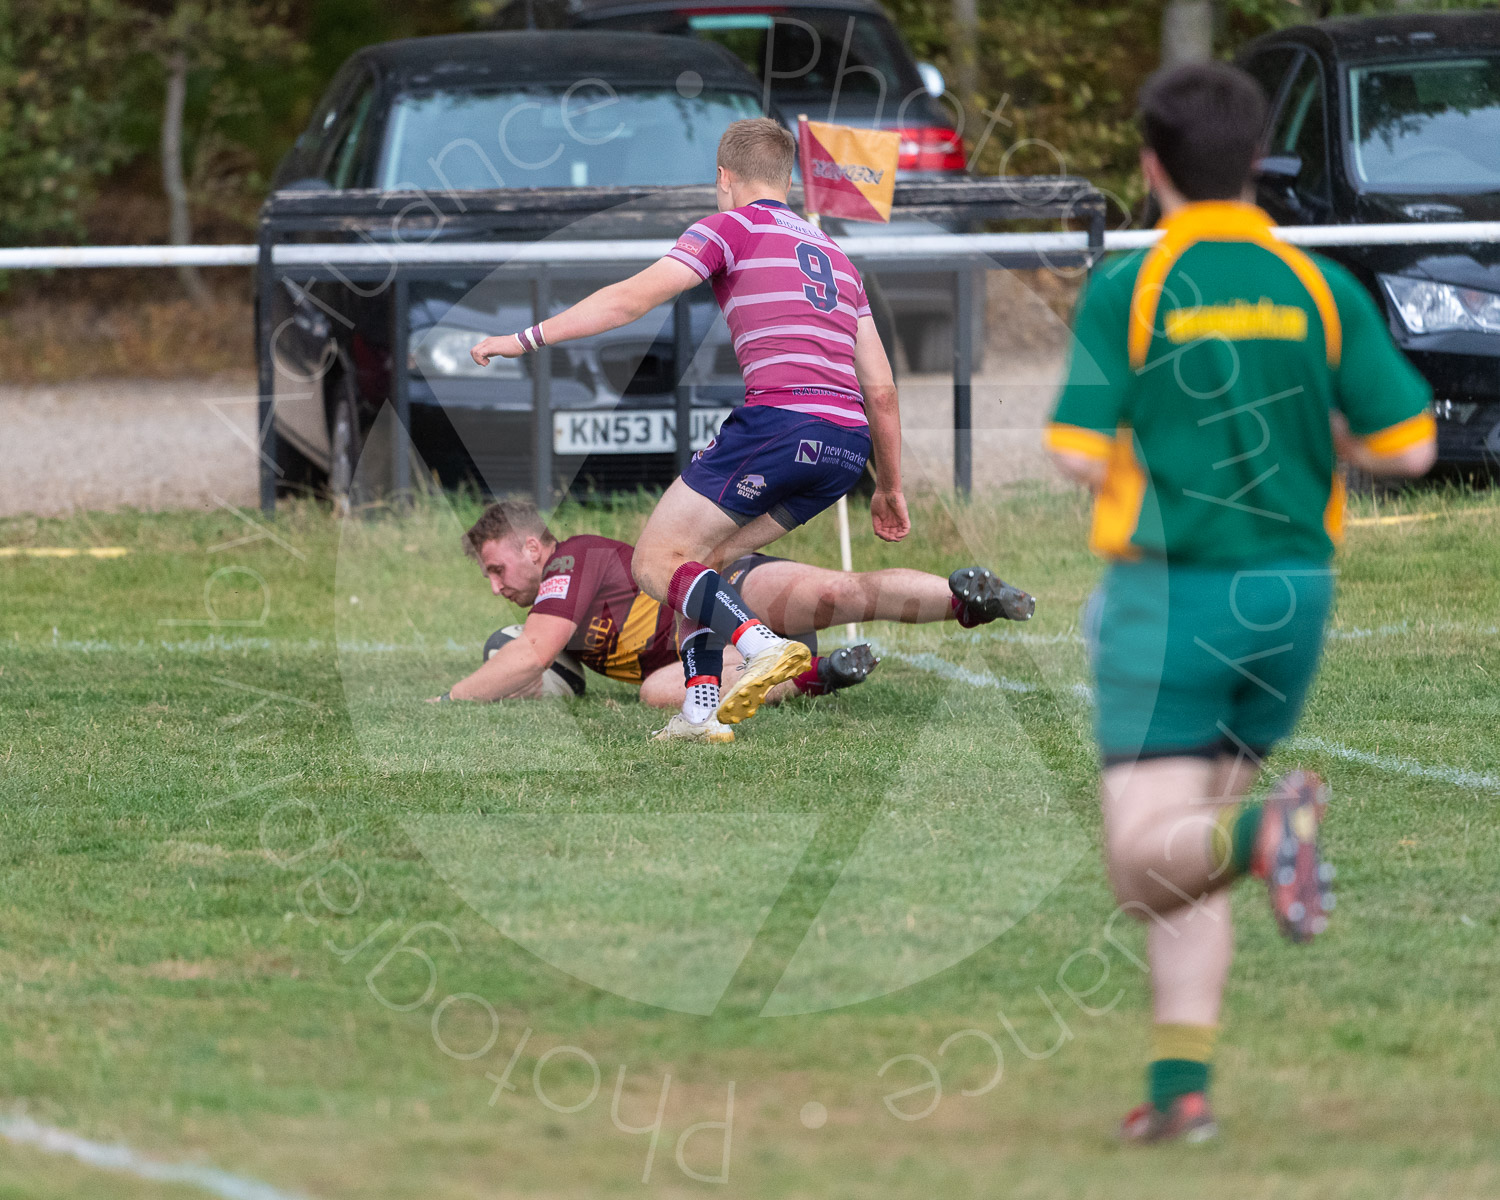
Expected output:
{"points": [[563, 678]]}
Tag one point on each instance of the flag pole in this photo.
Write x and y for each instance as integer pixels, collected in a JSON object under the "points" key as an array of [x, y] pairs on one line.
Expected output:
{"points": [[841, 508]]}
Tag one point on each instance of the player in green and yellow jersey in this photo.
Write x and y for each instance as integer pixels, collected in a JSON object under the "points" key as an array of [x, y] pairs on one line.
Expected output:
{"points": [[1215, 381]]}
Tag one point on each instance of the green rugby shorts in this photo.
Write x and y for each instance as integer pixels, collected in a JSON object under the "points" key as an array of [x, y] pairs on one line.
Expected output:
{"points": [[1202, 661]]}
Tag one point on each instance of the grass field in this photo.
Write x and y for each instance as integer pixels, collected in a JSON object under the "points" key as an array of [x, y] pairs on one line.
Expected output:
{"points": [[265, 910]]}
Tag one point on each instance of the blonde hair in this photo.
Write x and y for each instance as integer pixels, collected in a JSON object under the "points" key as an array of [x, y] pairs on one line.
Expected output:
{"points": [[759, 150], [500, 520]]}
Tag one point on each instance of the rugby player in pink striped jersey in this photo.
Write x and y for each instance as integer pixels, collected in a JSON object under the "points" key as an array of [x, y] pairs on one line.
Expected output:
{"points": [[820, 402]]}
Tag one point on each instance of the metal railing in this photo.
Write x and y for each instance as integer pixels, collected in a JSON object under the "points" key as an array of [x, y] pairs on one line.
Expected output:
{"points": [[402, 238], [401, 263]]}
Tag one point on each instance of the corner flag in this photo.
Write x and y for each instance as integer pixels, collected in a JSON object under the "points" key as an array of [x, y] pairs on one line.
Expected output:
{"points": [[848, 172]]}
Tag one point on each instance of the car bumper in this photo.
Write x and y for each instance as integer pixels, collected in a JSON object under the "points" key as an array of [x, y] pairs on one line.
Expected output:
{"points": [[1466, 401], [473, 432]]}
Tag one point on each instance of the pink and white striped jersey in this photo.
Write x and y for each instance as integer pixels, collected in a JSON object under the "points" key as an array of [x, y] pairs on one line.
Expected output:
{"points": [[792, 300]]}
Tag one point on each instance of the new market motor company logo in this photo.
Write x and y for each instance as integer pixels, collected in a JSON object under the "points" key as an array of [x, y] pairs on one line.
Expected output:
{"points": [[809, 451]]}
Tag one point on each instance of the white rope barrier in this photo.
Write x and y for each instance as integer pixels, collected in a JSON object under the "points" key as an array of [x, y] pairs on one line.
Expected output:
{"points": [[127, 256], [880, 246]]}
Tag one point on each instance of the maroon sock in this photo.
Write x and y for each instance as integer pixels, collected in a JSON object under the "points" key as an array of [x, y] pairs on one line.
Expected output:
{"points": [[965, 618], [809, 683]]}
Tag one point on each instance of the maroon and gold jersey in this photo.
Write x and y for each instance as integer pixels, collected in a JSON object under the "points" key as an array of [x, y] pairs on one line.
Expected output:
{"points": [[622, 632]]}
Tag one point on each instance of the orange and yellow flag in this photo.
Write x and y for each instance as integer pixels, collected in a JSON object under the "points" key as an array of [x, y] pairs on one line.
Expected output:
{"points": [[848, 172]]}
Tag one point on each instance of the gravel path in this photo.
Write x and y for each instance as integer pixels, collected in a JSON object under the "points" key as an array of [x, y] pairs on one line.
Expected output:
{"points": [[1011, 401], [149, 444], [152, 444]]}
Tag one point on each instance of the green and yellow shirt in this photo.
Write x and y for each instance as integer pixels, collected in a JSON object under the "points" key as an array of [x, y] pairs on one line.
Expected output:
{"points": [[1204, 371]]}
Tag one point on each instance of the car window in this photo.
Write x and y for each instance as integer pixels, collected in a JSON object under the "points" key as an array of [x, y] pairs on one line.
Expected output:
{"points": [[340, 125], [1299, 128], [1269, 67], [585, 135], [347, 158], [311, 147], [1429, 126], [805, 55]]}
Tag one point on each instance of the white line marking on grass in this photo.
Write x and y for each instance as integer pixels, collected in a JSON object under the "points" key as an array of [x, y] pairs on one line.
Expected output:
{"points": [[23, 1131], [1406, 629], [1398, 764], [944, 669], [1395, 764], [219, 644]]}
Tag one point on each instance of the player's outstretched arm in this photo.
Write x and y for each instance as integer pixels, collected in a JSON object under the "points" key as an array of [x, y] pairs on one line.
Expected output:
{"points": [[608, 308], [515, 670], [878, 386]]}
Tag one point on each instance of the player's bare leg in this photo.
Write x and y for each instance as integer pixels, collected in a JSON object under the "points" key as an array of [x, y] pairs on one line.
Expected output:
{"points": [[1177, 834], [795, 598], [683, 527], [670, 565], [1159, 818]]}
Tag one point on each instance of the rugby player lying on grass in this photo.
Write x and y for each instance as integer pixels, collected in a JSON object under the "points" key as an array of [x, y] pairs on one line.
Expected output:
{"points": [[820, 405], [583, 601]]}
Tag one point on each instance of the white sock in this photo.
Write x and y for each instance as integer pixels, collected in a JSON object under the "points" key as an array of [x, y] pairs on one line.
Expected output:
{"points": [[701, 703], [755, 639]]}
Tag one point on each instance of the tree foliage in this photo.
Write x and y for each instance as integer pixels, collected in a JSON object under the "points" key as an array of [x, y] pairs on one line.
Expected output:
{"points": [[60, 121], [216, 39], [81, 83], [1063, 74]]}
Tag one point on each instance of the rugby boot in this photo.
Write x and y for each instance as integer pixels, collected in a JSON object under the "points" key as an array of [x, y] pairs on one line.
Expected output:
{"points": [[1190, 1119], [680, 729], [757, 675], [1288, 858], [846, 666], [980, 596]]}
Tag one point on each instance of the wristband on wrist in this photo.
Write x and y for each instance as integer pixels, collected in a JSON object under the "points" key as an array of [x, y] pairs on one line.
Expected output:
{"points": [[445, 698], [531, 339]]}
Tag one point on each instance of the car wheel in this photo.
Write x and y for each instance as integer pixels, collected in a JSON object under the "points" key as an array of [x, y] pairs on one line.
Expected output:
{"points": [[295, 473]]}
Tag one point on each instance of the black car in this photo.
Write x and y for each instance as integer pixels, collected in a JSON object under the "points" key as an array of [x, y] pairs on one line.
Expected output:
{"points": [[834, 60], [531, 110], [1397, 119]]}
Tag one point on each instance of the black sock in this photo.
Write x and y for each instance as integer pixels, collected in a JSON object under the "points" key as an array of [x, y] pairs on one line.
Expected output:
{"points": [[704, 598], [702, 655]]}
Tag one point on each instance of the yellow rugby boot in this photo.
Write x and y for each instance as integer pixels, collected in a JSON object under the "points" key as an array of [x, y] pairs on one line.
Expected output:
{"points": [[758, 674]]}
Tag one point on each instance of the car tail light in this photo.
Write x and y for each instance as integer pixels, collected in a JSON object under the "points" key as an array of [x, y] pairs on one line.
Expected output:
{"points": [[931, 148]]}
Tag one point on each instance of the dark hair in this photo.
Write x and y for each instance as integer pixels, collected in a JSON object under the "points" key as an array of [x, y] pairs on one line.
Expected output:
{"points": [[1205, 122]]}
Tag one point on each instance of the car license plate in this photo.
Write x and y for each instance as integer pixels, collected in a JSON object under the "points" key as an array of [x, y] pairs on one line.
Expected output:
{"points": [[639, 431]]}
